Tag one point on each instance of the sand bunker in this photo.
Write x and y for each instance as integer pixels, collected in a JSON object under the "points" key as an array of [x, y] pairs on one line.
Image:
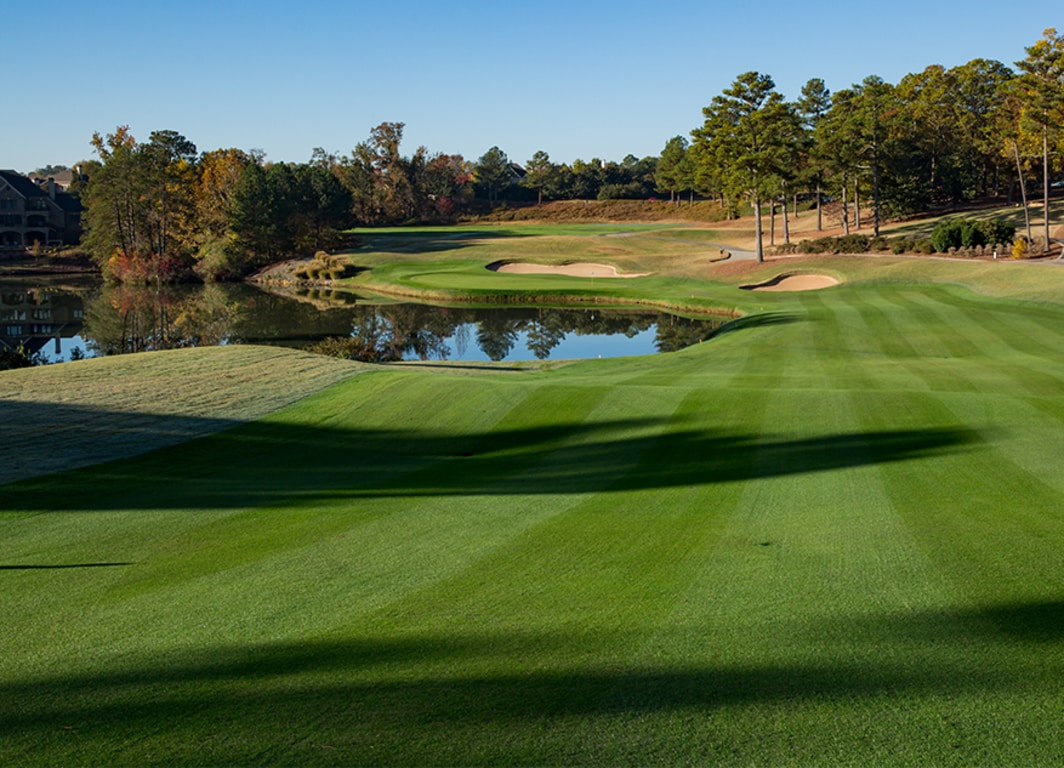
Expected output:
{"points": [[579, 269], [793, 283]]}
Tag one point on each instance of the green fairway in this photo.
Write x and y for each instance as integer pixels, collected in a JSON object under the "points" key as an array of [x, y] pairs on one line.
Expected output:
{"points": [[831, 535]]}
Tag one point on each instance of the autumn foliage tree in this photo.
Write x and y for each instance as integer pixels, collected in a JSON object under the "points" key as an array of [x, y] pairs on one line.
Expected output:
{"points": [[139, 216], [387, 187]]}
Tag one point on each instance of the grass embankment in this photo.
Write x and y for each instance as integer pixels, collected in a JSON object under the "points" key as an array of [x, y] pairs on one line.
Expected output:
{"points": [[450, 264], [830, 536], [81, 413]]}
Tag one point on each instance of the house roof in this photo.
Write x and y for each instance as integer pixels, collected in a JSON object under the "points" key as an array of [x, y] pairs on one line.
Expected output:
{"points": [[68, 202], [26, 188], [62, 179], [22, 185]]}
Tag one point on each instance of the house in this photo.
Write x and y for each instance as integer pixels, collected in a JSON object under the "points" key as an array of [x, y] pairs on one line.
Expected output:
{"points": [[31, 213]]}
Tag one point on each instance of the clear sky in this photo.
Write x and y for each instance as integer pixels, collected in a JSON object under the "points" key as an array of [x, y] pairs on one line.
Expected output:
{"points": [[578, 79]]}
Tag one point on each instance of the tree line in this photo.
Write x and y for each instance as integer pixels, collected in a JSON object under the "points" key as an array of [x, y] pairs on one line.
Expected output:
{"points": [[938, 137], [160, 210]]}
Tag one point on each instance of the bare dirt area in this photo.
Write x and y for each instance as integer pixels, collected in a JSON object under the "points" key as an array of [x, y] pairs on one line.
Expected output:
{"points": [[579, 269]]}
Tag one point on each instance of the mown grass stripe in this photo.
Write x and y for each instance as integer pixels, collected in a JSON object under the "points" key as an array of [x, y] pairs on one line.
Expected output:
{"points": [[993, 364]]}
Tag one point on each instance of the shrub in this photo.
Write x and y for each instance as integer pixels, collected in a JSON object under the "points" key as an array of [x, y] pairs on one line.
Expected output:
{"points": [[134, 267], [1019, 248], [322, 267], [222, 259], [844, 244], [19, 358], [946, 235], [957, 233], [818, 245], [852, 244], [996, 231]]}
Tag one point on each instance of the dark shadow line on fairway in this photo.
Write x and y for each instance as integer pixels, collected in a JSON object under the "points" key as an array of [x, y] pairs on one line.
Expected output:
{"points": [[416, 241], [266, 462], [62, 566]]}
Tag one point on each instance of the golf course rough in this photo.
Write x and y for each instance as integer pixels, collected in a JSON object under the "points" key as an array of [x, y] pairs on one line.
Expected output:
{"points": [[832, 535]]}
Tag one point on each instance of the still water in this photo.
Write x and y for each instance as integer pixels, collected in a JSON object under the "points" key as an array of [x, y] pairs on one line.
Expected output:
{"points": [[63, 320]]}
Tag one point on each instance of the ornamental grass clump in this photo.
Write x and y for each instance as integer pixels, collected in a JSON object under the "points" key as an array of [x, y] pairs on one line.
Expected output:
{"points": [[323, 267]]}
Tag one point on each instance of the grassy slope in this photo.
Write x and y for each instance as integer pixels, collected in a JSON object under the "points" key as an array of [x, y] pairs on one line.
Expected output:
{"points": [[52, 415], [832, 535]]}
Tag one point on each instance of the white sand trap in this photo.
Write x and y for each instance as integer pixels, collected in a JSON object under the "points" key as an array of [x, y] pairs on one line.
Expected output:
{"points": [[794, 283], [579, 269]]}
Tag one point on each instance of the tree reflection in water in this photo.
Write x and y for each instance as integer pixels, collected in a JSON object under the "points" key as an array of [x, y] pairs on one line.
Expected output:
{"points": [[121, 319], [403, 332]]}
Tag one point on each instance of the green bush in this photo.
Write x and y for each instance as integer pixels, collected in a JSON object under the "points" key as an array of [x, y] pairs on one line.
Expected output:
{"points": [[946, 235], [818, 245], [997, 231], [852, 244], [960, 233], [901, 245], [844, 244], [221, 259]]}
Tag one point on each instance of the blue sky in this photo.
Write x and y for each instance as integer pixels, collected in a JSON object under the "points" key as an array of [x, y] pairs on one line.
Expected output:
{"points": [[576, 79]]}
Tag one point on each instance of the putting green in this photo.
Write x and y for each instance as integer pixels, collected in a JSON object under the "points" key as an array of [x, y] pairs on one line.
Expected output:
{"points": [[832, 535]]}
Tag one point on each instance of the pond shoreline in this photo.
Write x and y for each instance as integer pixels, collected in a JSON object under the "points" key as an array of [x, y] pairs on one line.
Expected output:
{"points": [[47, 266]]}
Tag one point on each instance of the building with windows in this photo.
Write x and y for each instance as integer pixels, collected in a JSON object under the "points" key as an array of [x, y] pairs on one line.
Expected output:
{"points": [[32, 213]]}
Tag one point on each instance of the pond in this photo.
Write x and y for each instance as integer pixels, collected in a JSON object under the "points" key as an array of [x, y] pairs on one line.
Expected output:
{"points": [[62, 320]]}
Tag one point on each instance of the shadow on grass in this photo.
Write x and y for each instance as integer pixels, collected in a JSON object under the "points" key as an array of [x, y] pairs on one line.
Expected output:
{"points": [[391, 692], [266, 462], [427, 241], [755, 321], [61, 566]]}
